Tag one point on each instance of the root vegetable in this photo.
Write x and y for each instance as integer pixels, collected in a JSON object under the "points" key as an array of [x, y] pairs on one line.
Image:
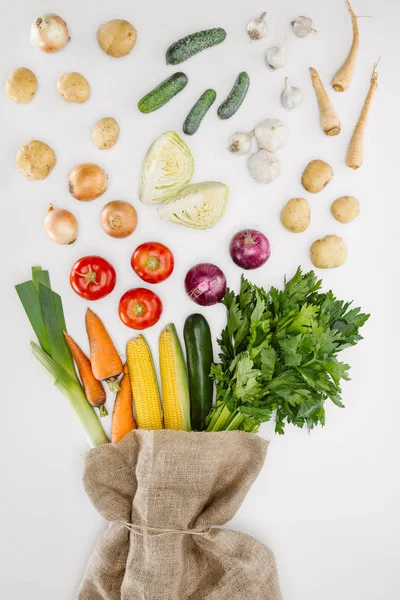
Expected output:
{"points": [[61, 226], [104, 358], [316, 176], [329, 252], [73, 87], [117, 38], [345, 209], [355, 151], [105, 133], [295, 215], [35, 160], [49, 33], [118, 219], [342, 79], [87, 182], [329, 120], [21, 85]]}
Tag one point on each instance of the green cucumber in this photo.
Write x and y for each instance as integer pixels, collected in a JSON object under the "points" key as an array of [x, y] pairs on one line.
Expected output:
{"points": [[199, 357], [198, 112], [194, 43], [163, 93], [236, 96]]}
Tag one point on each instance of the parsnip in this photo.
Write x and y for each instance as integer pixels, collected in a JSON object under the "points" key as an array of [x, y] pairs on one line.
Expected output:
{"points": [[329, 120], [342, 79]]}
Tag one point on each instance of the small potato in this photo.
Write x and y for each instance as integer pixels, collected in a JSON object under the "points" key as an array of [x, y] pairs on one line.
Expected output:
{"points": [[116, 38], [35, 160], [316, 176], [345, 209], [105, 133], [73, 87], [21, 85], [295, 215], [328, 253]]}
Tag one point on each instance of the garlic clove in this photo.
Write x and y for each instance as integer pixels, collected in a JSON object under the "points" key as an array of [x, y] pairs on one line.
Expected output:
{"points": [[275, 57], [240, 143], [264, 166], [271, 135], [291, 96], [258, 28], [302, 27]]}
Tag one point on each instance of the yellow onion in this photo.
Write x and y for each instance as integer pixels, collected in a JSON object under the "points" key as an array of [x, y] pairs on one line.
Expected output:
{"points": [[87, 181], [49, 33], [118, 219], [61, 225]]}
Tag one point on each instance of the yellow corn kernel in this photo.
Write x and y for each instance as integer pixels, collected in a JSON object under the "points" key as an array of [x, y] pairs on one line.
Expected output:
{"points": [[174, 386], [146, 396]]}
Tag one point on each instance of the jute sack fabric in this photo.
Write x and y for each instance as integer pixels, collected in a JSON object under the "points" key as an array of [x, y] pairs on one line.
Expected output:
{"points": [[163, 493]]}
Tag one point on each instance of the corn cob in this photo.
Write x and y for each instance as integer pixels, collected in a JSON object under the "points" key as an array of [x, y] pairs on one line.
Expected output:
{"points": [[174, 384], [146, 396]]}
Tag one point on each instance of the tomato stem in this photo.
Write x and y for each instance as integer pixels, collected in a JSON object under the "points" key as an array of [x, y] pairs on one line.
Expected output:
{"points": [[138, 309], [90, 276], [153, 263]]}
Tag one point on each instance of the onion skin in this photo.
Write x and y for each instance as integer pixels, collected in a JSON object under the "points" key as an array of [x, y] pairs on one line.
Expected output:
{"points": [[250, 249], [61, 226], [118, 219], [49, 33], [87, 182], [205, 284]]}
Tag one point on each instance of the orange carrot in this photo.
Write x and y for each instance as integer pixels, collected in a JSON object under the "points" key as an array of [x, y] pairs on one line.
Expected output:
{"points": [[94, 390], [104, 358], [122, 418]]}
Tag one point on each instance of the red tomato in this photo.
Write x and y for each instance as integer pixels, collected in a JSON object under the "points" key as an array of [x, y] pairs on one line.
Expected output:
{"points": [[153, 262], [92, 277], [140, 308]]}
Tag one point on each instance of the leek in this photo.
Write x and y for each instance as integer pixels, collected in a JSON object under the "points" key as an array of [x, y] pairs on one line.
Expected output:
{"points": [[45, 312]]}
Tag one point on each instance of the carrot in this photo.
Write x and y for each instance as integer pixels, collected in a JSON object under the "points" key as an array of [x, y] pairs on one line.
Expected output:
{"points": [[104, 358], [328, 118], [355, 151], [342, 79], [94, 390], [122, 418]]}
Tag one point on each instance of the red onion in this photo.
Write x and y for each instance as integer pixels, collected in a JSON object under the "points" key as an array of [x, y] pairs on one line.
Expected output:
{"points": [[250, 249], [205, 284]]}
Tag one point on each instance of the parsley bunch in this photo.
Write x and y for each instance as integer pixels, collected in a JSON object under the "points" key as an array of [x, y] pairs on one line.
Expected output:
{"points": [[279, 355]]}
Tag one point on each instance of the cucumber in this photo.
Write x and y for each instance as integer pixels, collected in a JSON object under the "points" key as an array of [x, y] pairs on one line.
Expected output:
{"points": [[199, 357], [194, 43], [198, 112], [163, 93], [236, 96]]}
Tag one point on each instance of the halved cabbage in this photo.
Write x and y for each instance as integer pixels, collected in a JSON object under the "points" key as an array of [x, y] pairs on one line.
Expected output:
{"points": [[167, 167], [199, 205]]}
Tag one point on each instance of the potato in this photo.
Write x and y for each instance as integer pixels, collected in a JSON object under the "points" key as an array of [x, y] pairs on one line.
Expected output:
{"points": [[116, 38], [105, 133], [345, 209], [316, 176], [21, 85], [328, 253], [295, 215], [35, 160], [73, 87]]}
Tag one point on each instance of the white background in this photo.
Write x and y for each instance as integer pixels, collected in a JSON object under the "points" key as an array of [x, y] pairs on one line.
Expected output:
{"points": [[326, 503]]}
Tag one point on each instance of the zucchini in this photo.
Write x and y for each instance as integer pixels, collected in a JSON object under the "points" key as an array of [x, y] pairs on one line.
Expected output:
{"points": [[198, 112], [199, 357], [236, 96], [163, 93], [190, 45]]}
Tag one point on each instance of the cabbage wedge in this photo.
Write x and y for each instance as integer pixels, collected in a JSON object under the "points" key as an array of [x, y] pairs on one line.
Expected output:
{"points": [[199, 205], [167, 167]]}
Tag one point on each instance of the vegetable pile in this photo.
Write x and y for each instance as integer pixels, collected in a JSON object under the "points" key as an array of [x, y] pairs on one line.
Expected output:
{"points": [[279, 355]]}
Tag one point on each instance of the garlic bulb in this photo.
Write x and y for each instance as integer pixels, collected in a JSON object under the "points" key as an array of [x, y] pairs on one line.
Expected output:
{"points": [[302, 27], [258, 28], [241, 143], [49, 33], [291, 96], [276, 56], [271, 135], [264, 166]]}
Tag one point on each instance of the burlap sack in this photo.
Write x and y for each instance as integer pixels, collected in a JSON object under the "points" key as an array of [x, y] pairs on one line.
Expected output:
{"points": [[163, 483]]}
